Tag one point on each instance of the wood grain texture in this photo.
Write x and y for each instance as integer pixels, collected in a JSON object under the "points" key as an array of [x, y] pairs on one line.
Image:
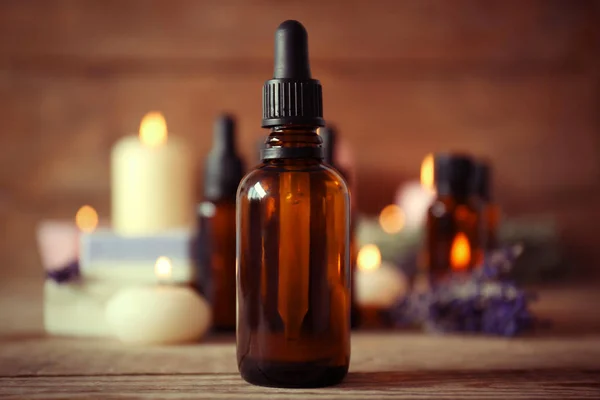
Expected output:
{"points": [[23, 356], [560, 362], [513, 384], [386, 365], [514, 81], [431, 31]]}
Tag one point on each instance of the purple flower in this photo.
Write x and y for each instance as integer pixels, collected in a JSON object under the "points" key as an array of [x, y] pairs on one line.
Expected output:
{"points": [[66, 274], [482, 302]]}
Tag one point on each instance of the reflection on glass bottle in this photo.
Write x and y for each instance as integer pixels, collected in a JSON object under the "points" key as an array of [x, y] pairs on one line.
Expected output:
{"points": [[293, 238], [223, 172], [453, 220]]}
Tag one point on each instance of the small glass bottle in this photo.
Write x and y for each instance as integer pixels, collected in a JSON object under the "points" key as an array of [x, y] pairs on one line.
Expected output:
{"points": [[293, 216], [329, 136], [224, 170], [490, 211], [453, 220]]}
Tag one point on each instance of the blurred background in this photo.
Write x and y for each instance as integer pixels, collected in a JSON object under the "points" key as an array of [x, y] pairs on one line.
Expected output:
{"points": [[515, 81]]}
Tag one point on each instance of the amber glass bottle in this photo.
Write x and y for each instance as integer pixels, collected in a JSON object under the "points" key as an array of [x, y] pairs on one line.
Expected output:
{"points": [[490, 211], [453, 220], [223, 172], [330, 142], [293, 238]]}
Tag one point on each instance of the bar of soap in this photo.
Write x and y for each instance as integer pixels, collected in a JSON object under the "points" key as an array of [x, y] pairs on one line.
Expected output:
{"points": [[105, 255], [77, 308], [159, 314]]}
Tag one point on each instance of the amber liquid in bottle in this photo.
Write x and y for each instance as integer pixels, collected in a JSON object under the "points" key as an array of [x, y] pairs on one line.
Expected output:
{"points": [[453, 237], [224, 170], [218, 225], [454, 224], [293, 269], [293, 227]]}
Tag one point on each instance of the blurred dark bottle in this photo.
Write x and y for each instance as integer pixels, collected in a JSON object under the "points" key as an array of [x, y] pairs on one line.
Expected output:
{"points": [[453, 220], [329, 136], [490, 211], [224, 170], [260, 145], [293, 238]]}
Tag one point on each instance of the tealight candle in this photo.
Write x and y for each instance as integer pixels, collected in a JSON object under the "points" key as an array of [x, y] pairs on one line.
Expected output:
{"points": [[151, 182], [159, 314], [378, 285]]}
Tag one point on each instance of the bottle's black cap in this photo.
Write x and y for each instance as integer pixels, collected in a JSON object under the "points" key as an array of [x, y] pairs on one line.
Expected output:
{"points": [[454, 174], [329, 138], [224, 169], [483, 180], [292, 97]]}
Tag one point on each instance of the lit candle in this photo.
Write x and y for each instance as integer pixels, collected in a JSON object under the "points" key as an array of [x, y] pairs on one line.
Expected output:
{"points": [[460, 253], [159, 314], [151, 181], [58, 240], [391, 219], [415, 198], [378, 284]]}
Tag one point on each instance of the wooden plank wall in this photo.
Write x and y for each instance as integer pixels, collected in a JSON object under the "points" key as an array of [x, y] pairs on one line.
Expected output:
{"points": [[513, 80]]}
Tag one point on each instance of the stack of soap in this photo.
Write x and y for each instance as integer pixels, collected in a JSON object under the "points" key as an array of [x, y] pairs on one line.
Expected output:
{"points": [[152, 204], [107, 263]]}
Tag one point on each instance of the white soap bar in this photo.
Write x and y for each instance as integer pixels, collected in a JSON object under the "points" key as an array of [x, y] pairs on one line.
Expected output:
{"points": [[104, 255], [77, 308], [158, 314], [136, 273]]}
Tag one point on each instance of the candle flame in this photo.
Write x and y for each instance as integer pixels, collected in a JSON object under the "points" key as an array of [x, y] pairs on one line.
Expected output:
{"points": [[153, 129], [369, 257], [427, 172], [391, 219], [86, 219], [163, 268], [460, 254]]}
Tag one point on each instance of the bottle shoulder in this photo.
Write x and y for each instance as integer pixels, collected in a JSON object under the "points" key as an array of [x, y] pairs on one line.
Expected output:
{"points": [[447, 205], [267, 176]]}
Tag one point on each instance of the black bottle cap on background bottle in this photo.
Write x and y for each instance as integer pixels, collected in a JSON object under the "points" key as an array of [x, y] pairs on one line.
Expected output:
{"points": [[454, 175], [483, 180], [329, 137], [292, 97], [224, 169]]}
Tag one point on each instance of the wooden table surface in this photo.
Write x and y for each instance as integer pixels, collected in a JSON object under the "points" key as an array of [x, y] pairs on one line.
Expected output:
{"points": [[562, 362]]}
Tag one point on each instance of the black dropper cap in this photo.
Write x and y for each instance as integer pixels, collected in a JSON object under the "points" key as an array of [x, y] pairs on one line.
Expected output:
{"points": [[329, 138], [483, 180], [224, 169], [454, 175], [292, 97]]}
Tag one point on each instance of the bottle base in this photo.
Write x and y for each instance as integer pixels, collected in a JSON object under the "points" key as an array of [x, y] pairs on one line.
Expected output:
{"points": [[291, 374]]}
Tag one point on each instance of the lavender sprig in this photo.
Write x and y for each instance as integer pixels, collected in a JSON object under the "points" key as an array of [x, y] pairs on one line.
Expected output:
{"points": [[66, 274], [482, 302]]}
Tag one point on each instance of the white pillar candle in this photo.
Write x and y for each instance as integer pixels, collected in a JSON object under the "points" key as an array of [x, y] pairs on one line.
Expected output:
{"points": [[378, 284], [152, 181], [158, 314]]}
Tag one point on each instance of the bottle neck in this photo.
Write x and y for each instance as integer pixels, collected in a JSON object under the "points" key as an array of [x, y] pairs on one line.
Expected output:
{"points": [[293, 142]]}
